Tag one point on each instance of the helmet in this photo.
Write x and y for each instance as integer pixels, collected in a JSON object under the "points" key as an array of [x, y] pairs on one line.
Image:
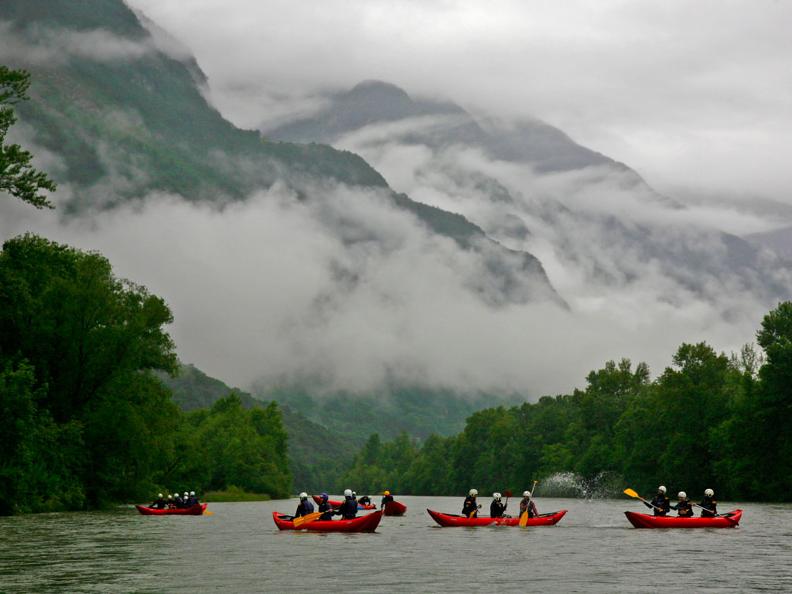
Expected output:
{"points": [[661, 489], [496, 496], [709, 492], [354, 494], [325, 496], [526, 493], [303, 495], [186, 494], [681, 495], [160, 495], [386, 493], [192, 493], [347, 492], [170, 496], [473, 492]]}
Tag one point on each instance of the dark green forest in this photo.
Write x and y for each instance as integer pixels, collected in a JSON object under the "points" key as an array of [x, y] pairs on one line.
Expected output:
{"points": [[707, 421]]}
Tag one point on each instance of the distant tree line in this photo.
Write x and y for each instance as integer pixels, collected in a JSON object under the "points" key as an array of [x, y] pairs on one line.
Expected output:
{"points": [[707, 421]]}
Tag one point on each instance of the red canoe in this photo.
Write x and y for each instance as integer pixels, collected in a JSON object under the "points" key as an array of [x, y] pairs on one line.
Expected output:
{"points": [[337, 503], [727, 520], [447, 520], [195, 510], [394, 508], [367, 523]]}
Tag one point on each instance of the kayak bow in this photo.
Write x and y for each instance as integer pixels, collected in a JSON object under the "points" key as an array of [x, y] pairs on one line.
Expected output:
{"points": [[394, 508]]}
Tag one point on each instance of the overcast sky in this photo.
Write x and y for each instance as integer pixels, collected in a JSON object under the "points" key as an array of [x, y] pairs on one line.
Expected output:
{"points": [[693, 95]]}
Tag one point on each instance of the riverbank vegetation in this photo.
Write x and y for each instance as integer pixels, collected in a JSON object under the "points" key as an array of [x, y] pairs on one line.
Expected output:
{"points": [[708, 420]]}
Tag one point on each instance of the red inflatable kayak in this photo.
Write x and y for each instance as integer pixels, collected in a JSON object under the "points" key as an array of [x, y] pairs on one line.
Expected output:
{"points": [[337, 503], [394, 508], [367, 523], [195, 510], [728, 520], [447, 520]]}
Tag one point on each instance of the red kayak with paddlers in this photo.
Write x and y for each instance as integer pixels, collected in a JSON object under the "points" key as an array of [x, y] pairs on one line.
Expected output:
{"points": [[367, 523], [449, 520], [193, 510], [728, 520], [337, 503]]}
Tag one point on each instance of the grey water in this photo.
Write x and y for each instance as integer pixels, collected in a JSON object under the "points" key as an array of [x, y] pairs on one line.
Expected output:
{"points": [[239, 549]]}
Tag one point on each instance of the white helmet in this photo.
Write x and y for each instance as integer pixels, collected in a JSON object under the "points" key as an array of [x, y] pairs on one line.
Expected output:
{"points": [[303, 495], [681, 495], [186, 494], [347, 492], [709, 492], [160, 495], [473, 492], [496, 496], [170, 496], [661, 489], [354, 494], [526, 493]]}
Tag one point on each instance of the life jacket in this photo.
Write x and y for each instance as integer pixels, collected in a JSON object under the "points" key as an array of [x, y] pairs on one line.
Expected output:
{"points": [[662, 502], [304, 508], [497, 508], [470, 506], [710, 507], [684, 509], [348, 509]]}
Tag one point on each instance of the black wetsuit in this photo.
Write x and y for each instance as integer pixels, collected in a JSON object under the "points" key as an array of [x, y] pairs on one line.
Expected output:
{"points": [[327, 511], [470, 507], [660, 501], [684, 509], [159, 504], [365, 500], [385, 499], [710, 507], [304, 508], [497, 509], [348, 509]]}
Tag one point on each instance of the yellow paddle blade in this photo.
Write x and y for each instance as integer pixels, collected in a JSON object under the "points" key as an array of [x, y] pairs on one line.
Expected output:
{"points": [[631, 493], [524, 519], [306, 519], [208, 513]]}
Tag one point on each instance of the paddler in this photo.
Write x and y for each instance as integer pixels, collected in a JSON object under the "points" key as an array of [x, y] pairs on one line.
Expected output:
{"points": [[386, 499], [178, 501], [470, 507], [497, 508], [160, 502], [364, 501], [171, 503], [192, 500], [684, 507], [325, 508], [709, 507], [527, 504], [305, 507], [348, 509], [661, 504]]}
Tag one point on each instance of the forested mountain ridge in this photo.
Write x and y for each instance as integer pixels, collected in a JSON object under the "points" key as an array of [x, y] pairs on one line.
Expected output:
{"points": [[118, 112]]}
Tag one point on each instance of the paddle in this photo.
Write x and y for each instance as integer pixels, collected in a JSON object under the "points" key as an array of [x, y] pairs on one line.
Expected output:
{"points": [[508, 494], [632, 493], [307, 519], [709, 510], [524, 515]]}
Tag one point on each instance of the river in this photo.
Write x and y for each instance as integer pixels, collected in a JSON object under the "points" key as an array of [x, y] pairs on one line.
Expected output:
{"points": [[238, 549]]}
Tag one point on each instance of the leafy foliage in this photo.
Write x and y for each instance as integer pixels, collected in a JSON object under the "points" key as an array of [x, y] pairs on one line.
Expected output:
{"points": [[17, 176]]}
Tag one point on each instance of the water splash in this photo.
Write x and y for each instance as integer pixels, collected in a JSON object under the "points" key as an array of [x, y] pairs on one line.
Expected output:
{"points": [[570, 484]]}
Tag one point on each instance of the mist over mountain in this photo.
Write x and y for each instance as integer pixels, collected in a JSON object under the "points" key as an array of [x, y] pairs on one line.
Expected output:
{"points": [[426, 248]]}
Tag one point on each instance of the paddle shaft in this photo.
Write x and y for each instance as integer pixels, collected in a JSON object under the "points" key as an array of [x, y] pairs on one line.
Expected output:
{"points": [[716, 515]]}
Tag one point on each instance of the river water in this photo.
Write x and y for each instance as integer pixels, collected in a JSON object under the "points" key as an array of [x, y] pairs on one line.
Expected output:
{"points": [[238, 549]]}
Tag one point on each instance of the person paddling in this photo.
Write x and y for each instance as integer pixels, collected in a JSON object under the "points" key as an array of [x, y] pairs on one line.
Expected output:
{"points": [[497, 508], [160, 502], [386, 499], [683, 507], [325, 508], [171, 502], [178, 501], [348, 509], [661, 504], [364, 501], [527, 504], [305, 507], [470, 507], [708, 505]]}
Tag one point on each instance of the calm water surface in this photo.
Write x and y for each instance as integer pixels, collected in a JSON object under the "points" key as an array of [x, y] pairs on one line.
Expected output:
{"points": [[238, 549]]}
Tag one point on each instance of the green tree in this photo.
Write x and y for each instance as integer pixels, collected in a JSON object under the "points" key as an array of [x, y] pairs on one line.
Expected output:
{"points": [[18, 177]]}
